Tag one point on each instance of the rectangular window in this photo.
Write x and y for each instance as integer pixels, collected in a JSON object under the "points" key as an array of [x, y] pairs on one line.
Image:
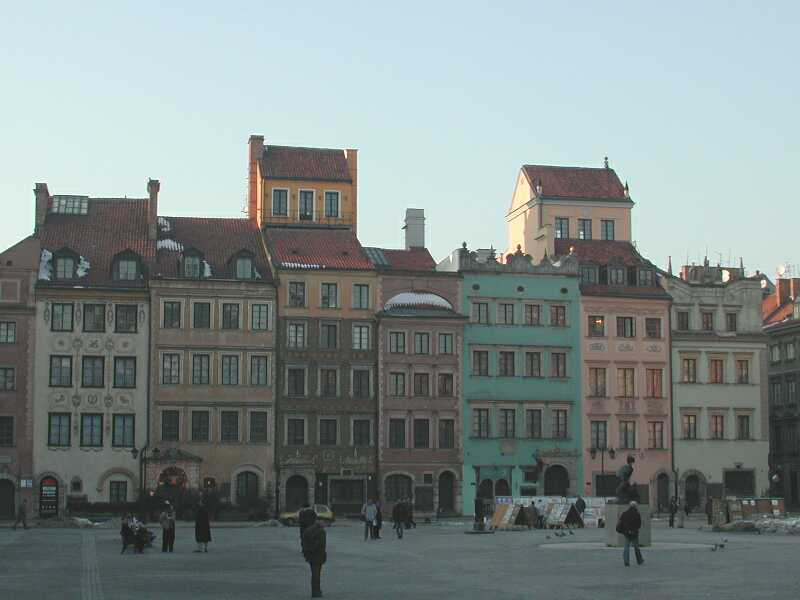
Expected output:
{"points": [[776, 392], [296, 432], [170, 425], [8, 332], [422, 384], [201, 429], [92, 430], [689, 370], [506, 364], [626, 327], [258, 370], [8, 380], [360, 295], [65, 267], [397, 384], [230, 316], [717, 427], [742, 371], [533, 423], [445, 343], [62, 317], [584, 229], [445, 385], [362, 433], [422, 343], [533, 364], [616, 275], [533, 314], [328, 382], [559, 424], [716, 371], [627, 435], [708, 320], [683, 320], [607, 229], [6, 432], [655, 434], [259, 317], [93, 372], [645, 278], [480, 363], [652, 328], [201, 315], [328, 432], [296, 335], [775, 353], [789, 351], [791, 390], [123, 432], [296, 381], [172, 315], [397, 433], [588, 274], [117, 492], [558, 365], [505, 314], [689, 423], [306, 205], [229, 426], [259, 433], [170, 369], [58, 430], [480, 422], [597, 382], [125, 318], [297, 294], [597, 326], [397, 342], [328, 336], [480, 312], [562, 228], [625, 383], [124, 372], [507, 427], [422, 433], [280, 203], [730, 321], [558, 316], [60, 371], [655, 388], [599, 432], [361, 337], [332, 204], [447, 434], [94, 318], [329, 295], [742, 427], [361, 383], [201, 371]]}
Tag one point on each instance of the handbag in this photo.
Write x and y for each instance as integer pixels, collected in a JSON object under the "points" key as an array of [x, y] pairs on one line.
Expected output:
{"points": [[619, 526]]}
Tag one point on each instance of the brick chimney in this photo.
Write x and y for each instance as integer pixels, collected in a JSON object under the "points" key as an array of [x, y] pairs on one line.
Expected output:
{"points": [[351, 154], [794, 287], [42, 196], [153, 186], [782, 289], [254, 196]]}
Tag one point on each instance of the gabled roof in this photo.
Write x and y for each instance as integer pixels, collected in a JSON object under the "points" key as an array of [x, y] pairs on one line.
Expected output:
{"points": [[602, 252], [317, 164], [581, 183], [316, 249], [110, 226], [414, 259], [217, 240]]}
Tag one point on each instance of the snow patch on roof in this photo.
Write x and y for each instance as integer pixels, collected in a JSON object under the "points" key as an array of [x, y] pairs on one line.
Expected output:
{"points": [[46, 265], [417, 299], [169, 245], [295, 265], [164, 225], [83, 267], [207, 270]]}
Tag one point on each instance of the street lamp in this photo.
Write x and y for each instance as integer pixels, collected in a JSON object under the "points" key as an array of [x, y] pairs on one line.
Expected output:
{"points": [[141, 454], [602, 449]]}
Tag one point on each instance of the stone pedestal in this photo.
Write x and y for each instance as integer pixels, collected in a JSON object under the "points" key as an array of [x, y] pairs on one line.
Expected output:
{"points": [[617, 540]]}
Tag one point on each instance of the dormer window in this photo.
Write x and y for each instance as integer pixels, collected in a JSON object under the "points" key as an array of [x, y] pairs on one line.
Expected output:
{"points": [[645, 278], [65, 267], [616, 276], [244, 267], [191, 266], [126, 267]]}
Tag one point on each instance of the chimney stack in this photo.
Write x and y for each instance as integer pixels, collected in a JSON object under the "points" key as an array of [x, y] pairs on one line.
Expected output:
{"points": [[415, 228], [782, 289], [351, 155], [254, 199], [794, 287], [42, 195], [153, 186]]}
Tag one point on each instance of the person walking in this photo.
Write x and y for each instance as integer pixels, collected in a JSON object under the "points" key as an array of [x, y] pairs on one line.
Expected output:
{"points": [[709, 509], [202, 527], [378, 520], [369, 512], [673, 510], [314, 545], [167, 520], [410, 514], [580, 505], [305, 517], [399, 518], [533, 516], [686, 507], [630, 522], [22, 515]]}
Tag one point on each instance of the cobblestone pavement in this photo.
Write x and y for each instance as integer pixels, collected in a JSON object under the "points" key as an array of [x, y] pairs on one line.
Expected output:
{"points": [[437, 562]]}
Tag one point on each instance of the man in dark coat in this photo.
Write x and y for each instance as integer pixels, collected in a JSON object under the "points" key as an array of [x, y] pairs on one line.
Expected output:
{"points": [[673, 510], [630, 522], [709, 509], [305, 517], [202, 527], [580, 505], [314, 544], [378, 520], [399, 518]]}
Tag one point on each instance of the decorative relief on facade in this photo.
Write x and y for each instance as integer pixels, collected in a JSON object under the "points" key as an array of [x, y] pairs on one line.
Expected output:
{"points": [[77, 344], [93, 344], [626, 405], [93, 399], [76, 400], [124, 399], [109, 314], [78, 314], [109, 345], [654, 348], [142, 314], [597, 347], [625, 347], [60, 343], [108, 400], [125, 344], [46, 313], [59, 398]]}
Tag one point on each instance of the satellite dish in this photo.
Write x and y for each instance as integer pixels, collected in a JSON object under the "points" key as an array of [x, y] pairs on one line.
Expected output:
{"points": [[781, 270], [726, 275]]}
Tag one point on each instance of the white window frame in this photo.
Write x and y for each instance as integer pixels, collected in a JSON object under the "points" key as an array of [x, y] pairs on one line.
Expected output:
{"points": [[239, 369], [338, 378], [210, 413], [286, 430], [353, 338]]}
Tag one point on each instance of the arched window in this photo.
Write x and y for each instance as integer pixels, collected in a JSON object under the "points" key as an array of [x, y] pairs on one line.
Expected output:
{"points": [[126, 267], [246, 487], [65, 264], [192, 264], [397, 487], [243, 265]]}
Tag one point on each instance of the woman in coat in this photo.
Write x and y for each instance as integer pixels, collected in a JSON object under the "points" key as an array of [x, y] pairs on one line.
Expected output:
{"points": [[202, 527]]}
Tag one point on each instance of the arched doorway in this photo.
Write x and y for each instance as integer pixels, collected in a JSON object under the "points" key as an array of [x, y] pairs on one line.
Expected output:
{"points": [[48, 497], [662, 492], [6, 499], [556, 481], [296, 492], [501, 488], [486, 489], [246, 488], [173, 477], [447, 492], [693, 491]]}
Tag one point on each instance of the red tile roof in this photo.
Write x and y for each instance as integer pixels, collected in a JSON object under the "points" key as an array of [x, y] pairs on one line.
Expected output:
{"points": [[576, 182], [297, 248], [414, 259], [602, 252], [111, 226], [625, 291], [318, 164], [217, 240]]}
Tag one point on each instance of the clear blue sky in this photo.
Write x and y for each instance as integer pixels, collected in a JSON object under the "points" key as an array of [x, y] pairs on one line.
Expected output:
{"points": [[696, 104]]}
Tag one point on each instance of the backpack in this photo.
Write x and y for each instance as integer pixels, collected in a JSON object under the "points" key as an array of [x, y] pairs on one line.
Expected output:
{"points": [[619, 525]]}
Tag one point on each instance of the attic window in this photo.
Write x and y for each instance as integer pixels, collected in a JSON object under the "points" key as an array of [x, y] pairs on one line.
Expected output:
{"points": [[70, 205], [65, 264], [191, 266], [126, 267], [244, 267]]}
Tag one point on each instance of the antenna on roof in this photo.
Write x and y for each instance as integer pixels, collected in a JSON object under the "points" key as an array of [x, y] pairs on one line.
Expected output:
{"points": [[605, 161]]}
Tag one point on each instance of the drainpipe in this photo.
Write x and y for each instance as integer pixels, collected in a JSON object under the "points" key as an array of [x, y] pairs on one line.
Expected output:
{"points": [[150, 371], [671, 400]]}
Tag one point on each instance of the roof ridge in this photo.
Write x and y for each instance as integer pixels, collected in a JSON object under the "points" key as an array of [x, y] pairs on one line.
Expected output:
{"points": [[304, 148], [569, 167]]}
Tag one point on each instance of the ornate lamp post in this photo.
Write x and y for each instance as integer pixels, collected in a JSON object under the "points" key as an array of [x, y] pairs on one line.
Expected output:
{"points": [[602, 450]]}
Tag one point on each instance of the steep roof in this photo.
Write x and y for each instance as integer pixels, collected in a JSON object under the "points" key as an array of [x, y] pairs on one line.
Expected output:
{"points": [[109, 227], [316, 249], [602, 252], [582, 183], [414, 259], [318, 164], [217, 240]]}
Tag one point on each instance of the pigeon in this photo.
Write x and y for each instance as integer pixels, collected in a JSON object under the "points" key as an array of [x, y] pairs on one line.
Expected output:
{"points": [[570, 532], [714, 548]]}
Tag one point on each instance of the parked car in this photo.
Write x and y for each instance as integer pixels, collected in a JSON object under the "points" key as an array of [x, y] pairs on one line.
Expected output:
{"points": [[324, 515]]}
